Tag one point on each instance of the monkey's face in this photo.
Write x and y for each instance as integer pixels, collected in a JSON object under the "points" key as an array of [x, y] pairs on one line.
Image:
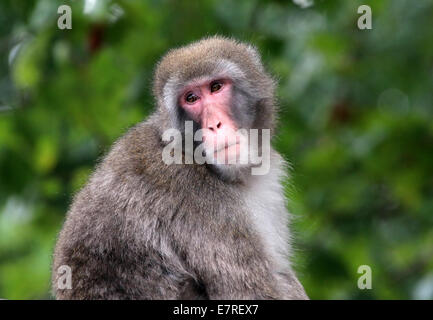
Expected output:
{"points": [[209, 103], [221, 87]]}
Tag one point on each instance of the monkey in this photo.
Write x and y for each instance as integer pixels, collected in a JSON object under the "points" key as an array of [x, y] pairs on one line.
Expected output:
{"points": [[143, 229]]}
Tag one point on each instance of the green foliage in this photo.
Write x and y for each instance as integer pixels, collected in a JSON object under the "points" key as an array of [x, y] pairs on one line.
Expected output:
{"points": [[355, 123]]}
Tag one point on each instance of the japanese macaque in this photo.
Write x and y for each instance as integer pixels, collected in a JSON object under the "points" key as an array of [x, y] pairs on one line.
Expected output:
{"points": [[144, 228]]}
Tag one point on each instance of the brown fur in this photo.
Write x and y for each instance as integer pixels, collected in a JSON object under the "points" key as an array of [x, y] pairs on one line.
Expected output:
{"points": [[141, 229]]}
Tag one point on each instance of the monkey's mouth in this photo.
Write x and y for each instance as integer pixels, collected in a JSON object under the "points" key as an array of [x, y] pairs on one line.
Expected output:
{"points": [[226, 147], [228, 154]]}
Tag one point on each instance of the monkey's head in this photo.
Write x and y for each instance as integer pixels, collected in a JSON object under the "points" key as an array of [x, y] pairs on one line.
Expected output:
{"points": [[221, 86]]}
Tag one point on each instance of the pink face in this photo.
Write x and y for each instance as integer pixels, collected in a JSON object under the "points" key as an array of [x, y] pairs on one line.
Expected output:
{"points": [[208, 103]]}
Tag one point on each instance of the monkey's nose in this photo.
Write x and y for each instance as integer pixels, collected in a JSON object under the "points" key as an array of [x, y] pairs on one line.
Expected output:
{"points": [[217, 126]]}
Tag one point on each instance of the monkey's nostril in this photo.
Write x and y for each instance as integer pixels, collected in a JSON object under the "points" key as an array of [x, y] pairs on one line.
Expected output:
{"points": [[218, 125]]}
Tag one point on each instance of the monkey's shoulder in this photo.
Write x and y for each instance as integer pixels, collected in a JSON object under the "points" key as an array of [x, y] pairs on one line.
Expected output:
{"points": [[133, 173], [139, 155]]}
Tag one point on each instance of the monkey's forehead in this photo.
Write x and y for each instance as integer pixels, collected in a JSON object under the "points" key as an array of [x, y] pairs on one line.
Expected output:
{"points": [[205, 58]]}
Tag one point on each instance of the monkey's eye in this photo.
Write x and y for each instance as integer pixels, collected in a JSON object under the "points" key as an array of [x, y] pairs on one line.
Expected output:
{"points": [[215, 86], [191, 97]]}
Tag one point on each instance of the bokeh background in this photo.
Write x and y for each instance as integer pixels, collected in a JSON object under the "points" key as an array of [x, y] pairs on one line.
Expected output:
{"points": [[356, 123]]}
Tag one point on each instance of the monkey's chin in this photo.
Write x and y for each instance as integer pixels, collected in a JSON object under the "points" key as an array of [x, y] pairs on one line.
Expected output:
{"points": [[229, 162], [232, 172], [229, 168]]}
